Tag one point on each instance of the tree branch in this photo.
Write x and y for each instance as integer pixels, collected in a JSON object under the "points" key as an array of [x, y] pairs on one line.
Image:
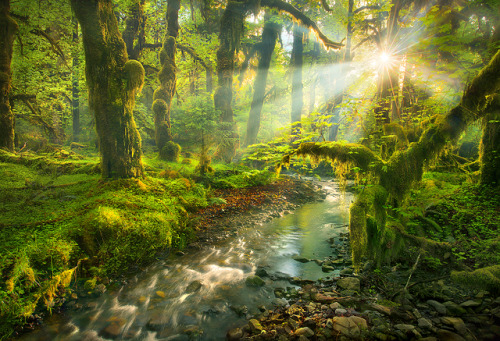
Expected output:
{"points": [[189, 50], [305, 20], [55, 46], [362, 8]]}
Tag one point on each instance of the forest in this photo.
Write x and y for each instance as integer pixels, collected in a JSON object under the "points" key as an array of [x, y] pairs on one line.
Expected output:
{"points": [[249, 170]]}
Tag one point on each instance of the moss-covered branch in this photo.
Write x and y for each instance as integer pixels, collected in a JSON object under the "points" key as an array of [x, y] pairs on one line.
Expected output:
{"points": [[304, 19]]}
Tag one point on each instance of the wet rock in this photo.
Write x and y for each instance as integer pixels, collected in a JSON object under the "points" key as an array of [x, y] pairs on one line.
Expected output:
{"points": [[279, 292], [156, 323], [327, 268], [340, 312], [346, 271], [471, 304], [346, 326], [408, 331], [300, 259], [454, 309], [100, 289], [240, 310], [446, 335], [234, 334], [440, 308], [381, 309], [335, 305], [113, 329], [456, 322], [305, 331], [254, 281], [261, 272], [424, 323], [255, 326], [194, 286], [280, 302], [349, 283]]}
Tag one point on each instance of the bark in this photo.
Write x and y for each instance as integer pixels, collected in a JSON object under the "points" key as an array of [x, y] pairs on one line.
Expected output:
{"points": [[269, 37], [490, 145], [75, 91], [162, 97], [8, 29], [134, 29], [229, 39], [297, 86], [113, 82], [207, 66]]}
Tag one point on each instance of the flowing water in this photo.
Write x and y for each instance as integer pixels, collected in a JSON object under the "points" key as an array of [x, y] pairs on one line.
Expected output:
{"points": [[166, 301]]}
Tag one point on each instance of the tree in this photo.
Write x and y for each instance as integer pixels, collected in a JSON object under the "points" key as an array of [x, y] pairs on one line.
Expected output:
{"points": [[8, 28], [163, 95], [297, 86], [266, 47], [113, 82]]}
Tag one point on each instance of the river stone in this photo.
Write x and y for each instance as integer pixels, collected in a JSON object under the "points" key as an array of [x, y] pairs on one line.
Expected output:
{"points": [[305, 331], [408, 329], [156, 323], [440, 308], [254, 281], [327, 268], [300, 259], [194, 286], [471, 304], [455, 322], [454, 309], [446, 335], [424, 323], [349, 283], [255, 326], [113, 329], [340, 312], [335, 305], [346, 326]]}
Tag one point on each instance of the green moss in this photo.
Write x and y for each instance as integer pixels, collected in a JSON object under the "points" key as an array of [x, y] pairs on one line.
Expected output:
{"points": [[487, 278], [358, 233], [134, 75], [171, 151]]}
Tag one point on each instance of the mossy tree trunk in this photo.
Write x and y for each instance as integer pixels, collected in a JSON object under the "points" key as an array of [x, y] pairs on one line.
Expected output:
{"points": [[75, 90], [269, 37], [231, 28], [490, 146], [113, 82], [134, 29], [162, 97], [297, 86], [8, 29]]}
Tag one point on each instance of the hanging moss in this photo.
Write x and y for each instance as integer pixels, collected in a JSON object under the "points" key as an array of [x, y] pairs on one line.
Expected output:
{"points": [[134, 76], [358, 233], [487, 278], [490, 146]]}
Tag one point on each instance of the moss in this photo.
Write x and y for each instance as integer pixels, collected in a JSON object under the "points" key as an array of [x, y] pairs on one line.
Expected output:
{"points": [[134, 75], [358, 233], [490, 150], [171, 151], [487, 278]]}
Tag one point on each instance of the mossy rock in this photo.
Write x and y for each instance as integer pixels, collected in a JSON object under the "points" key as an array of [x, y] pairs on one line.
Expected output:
{"points": [[487, 278], [170, 152]]}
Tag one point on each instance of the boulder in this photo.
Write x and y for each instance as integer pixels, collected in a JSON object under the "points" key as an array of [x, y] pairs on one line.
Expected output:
{"points": [[440, 308], [305, 331], [255, 326], [254, 281], [349, 283], [193, 286], [346, 326]]}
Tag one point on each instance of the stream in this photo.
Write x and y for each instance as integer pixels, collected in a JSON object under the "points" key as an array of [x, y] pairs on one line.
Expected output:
{"points": [[203, 294]]}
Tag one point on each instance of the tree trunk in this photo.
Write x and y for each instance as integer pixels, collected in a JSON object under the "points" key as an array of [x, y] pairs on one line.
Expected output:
{"points": [[75, 91], [231, 28], [8, 28], [490, 147], [269, 37], [162, 97], [134, 29], [297, 86], [113, 82]]}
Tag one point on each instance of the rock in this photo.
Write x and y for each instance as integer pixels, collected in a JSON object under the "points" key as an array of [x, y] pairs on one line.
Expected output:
{"points": [[471, 304], [424, 323], [194, 286], [300, 259], [456, 323], [254, 281], [239, 310], [454, 309], [305, 331], [335, 305], [160, 293], [429, 338], [340, 312], [381, 309], [349, 283], [408, 330], [327, 268], [346, 271], [446, 335], [346, 326], [261, 272], [156, 323], [440, 308], [113, 329], [360, 322], [255, 326]]}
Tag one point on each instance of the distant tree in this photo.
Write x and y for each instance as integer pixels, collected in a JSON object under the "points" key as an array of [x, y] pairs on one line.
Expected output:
{"points": [[113, 82], [8, 28]]}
